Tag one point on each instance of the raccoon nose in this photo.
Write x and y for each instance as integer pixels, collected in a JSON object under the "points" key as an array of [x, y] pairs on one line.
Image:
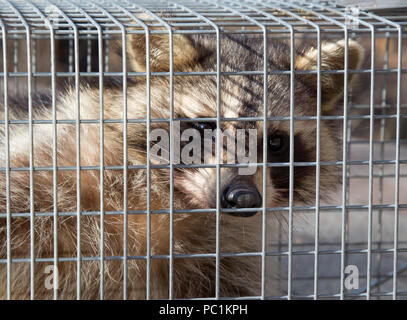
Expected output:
{"points": [[241, 196]]}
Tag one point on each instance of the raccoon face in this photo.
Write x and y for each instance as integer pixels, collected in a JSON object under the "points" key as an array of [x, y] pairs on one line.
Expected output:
{"points": [[244, 140]]}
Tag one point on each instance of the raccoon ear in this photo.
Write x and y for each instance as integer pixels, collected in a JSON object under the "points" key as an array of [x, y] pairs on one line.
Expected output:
{"points": [[184, 53], [332, 58]]}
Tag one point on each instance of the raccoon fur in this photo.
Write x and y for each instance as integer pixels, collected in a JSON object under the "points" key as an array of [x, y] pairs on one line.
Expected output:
{"points": [[55, 207]]}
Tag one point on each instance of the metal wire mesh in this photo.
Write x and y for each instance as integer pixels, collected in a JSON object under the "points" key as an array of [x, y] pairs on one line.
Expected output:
{"points": [[53, 45]]}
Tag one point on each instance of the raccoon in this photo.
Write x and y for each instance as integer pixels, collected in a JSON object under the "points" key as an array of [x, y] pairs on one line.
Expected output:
{"points": [[86, 236]]}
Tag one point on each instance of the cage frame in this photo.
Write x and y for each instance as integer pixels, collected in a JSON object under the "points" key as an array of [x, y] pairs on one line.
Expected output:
{"points": [[245, 11]]}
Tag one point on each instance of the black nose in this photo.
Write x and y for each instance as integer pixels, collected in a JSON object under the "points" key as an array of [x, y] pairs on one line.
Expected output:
{"points": [[241, 196]]}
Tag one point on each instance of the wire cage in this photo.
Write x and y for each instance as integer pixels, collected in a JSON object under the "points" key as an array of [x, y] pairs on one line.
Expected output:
{"points": [[69, 54]]}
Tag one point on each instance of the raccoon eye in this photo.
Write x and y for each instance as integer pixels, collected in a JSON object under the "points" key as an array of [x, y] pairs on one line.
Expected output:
{"points": [[201, 126], [277, 143]]}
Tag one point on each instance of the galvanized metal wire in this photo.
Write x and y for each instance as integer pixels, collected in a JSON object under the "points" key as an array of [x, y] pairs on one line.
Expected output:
{"points": [[294, 21]]}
